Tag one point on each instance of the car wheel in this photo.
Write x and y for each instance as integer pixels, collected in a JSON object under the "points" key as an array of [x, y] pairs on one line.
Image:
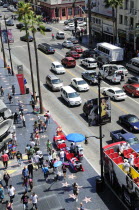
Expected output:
{"points": [[69, 104], [113, 98], [104, 93], [120, 121], [90, 83], [132, 95], [131, 129], [124, 89]]}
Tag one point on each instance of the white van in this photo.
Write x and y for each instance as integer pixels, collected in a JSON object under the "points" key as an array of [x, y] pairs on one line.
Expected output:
{"points": [[133, 65], [70, 96], [111, 52]]}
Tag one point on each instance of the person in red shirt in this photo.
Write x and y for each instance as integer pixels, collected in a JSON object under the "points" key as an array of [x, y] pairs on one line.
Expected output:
{"points": [[5, 159]]}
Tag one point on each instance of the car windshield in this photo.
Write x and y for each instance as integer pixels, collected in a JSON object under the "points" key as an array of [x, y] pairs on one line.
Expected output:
{"points": [[50, 48], [61, 34], [81, 82], [91, 61], [119, 91], [74, 53], [92, 74], [133, 140], [122, 68], [59, 66], [73, 95], [56, 81], [133, 119], [71, 61]]}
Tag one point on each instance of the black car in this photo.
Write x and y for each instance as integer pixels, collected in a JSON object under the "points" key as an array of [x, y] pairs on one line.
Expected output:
{"points": [[24, 38], [130, 121], [90, 77], [89, 53], [9, 23], [73, 40], [68, 21], [20, 25], [46, 48], [133, 80], [46, 29]]}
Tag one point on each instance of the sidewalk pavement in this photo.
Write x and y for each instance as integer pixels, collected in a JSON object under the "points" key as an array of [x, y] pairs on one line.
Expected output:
{"points": [[52, 195]]}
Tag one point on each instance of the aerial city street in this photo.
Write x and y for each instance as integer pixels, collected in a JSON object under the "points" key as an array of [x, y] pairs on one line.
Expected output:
{"points": [[69, 97]]}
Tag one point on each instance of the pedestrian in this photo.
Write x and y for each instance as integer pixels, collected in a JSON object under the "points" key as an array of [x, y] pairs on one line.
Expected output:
{"points": [[6, 178], [48, 116], [36, 161], [53, 37], [41, 160], [14, 138], [11, 193], [13, 90], [1, 194], [27, 149], [34, 200], [10, 98], [31, 152], [37, 138], [62, 155], [54, 154], [33, 105], [9, 205], [24, 200], [75, 190], [15, 118], [9, 69], [45, 171], [30, 182], [25, 184], [56, 173], [81, 206], [5, 159], [23, 120], [64, 171], [49, 146], [30, 169], [19, 157], [25, 172], [1, 91], [36, 148], [32, 143]]}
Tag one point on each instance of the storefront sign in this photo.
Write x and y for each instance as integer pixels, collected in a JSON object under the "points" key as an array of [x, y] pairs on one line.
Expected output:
{"points": [[20, 78], [107, 29]]}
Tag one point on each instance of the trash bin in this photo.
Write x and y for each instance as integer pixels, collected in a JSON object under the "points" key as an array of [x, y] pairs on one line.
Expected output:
{"points": [[99, 185], [27, 90]]}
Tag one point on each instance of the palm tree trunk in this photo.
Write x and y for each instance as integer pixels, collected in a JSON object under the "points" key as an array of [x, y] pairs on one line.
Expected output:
{"points": [[114, 27], [38, 75], [30, 62]]}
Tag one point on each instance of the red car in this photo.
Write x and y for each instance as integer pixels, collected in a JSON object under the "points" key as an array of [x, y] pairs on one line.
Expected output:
{"points": [[68, 62], [77, 48], [73, 54], [132, 89]]}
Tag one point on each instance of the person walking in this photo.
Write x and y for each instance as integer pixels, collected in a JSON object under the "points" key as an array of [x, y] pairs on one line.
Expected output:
{"points": [[6, 178], [19, 157], [53, 37], [33, 104], [9, 205], [34, 200], [30, 169], [9, 69], [64, 171], [24, 200], [13, 90], [23, 120], [45, 171], [14, 138], [1, 91], [10, 98], [30, 182], [15, 118], [25, 172], [41, 159], [25, 184], [11, 193], [49, 146], [62, 155], [5, 159], [1, 193], [75, 190]]}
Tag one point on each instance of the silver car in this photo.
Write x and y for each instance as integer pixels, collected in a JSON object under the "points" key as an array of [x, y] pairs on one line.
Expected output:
{"points": [[54, 82], [67, 44]]}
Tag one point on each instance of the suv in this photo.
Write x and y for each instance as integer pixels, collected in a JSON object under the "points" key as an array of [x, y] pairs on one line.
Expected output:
{"points": [[60, 35], [46, 48], [70, 96], [54, 82], [57, 67], [68, 62]]}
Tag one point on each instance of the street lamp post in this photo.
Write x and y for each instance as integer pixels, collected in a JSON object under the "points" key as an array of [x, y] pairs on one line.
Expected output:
{"points": [[9, 47], [2, 48]]}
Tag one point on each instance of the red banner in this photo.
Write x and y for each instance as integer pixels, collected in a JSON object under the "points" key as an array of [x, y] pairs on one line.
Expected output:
{"points": [[20, 78]]}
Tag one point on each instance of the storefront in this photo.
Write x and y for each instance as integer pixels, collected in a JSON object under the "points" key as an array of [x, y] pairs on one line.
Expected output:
{"points": [[122, 37], [96, 32], [107, 33]]}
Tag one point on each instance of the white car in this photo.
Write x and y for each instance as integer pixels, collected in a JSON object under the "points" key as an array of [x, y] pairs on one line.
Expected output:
{"points": [[89, 63], [80, 84], [122, 68], [81, 24], [114, 93], [67, 44], [57, 67], [71, 24]]}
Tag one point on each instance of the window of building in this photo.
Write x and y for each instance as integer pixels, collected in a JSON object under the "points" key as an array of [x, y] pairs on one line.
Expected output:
{"points": [[120, 19], [131, 22], [126, 4], [125, 21], [132, 5], [69, 11], [63, 12], [77, 10]]}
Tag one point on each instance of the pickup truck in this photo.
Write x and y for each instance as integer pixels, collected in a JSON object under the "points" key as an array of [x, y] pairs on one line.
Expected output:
{"points": [[122, 135]]}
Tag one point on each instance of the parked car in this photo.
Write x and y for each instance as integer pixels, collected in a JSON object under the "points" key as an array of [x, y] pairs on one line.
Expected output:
{"points": [[5, 5], [60, 35], [73, 40], [46, 48], [54, 82], [68, 28], [20, 25], [68, 21], [9, 22], [122, 68], [132, 89], [67, 44], [71, 24], [46, 29], [79, 84], [73, 54], [89, 63], [77, 48], [90, 77], [130, 121], [68, 62], [57, 67], [89, 53], [114, 93], [24, 38], [133, 80]]}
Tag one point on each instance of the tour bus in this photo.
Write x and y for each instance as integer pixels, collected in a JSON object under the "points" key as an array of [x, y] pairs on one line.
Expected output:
{"points": [[111, 52], [125, 185]]}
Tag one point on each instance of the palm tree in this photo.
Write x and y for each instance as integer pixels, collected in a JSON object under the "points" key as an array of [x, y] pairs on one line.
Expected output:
{"points": [[35, 21], [114, 4], [24, 10]]}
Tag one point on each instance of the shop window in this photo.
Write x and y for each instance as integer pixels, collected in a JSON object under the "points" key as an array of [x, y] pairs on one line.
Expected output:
{"points": [[131, 22], [120, 19], [126, 4], [63, 12], [77, 10], [69, 11], [132, 5], [125, 21]]}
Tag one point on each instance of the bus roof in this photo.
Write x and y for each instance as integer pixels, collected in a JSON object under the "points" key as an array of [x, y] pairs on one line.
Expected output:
{"points": [[108, 46]]}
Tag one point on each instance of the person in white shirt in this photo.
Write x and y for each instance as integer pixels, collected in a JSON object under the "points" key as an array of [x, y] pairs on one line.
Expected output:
{"points": [[127, 145], [121, 148], [62, 155], [131, 160], [32, 143], [11, 193], [126, 166], [34, 200]]}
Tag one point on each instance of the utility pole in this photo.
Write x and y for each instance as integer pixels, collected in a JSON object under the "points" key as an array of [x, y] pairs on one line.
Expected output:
{"points": [[89, 17], [9, 47], [2, 48]]}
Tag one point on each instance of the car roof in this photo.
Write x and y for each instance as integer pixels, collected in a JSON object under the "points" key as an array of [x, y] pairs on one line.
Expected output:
{"points": [[77, 79], [68, 89], [90, 71], [73, 51], [56, 62], [135, 59], [119, 65], [135, 85], [90, 59], [70, 58], [114, 88], [60, 32], [45, 44], [52, 76]]}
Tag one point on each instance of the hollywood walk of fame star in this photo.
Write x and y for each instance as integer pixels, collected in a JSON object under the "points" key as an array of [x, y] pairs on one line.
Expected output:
{"points": [[87, 200], [43, 136], [60, 173], [65, 184], [72, 196], [16, 96], [71, 176]]}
